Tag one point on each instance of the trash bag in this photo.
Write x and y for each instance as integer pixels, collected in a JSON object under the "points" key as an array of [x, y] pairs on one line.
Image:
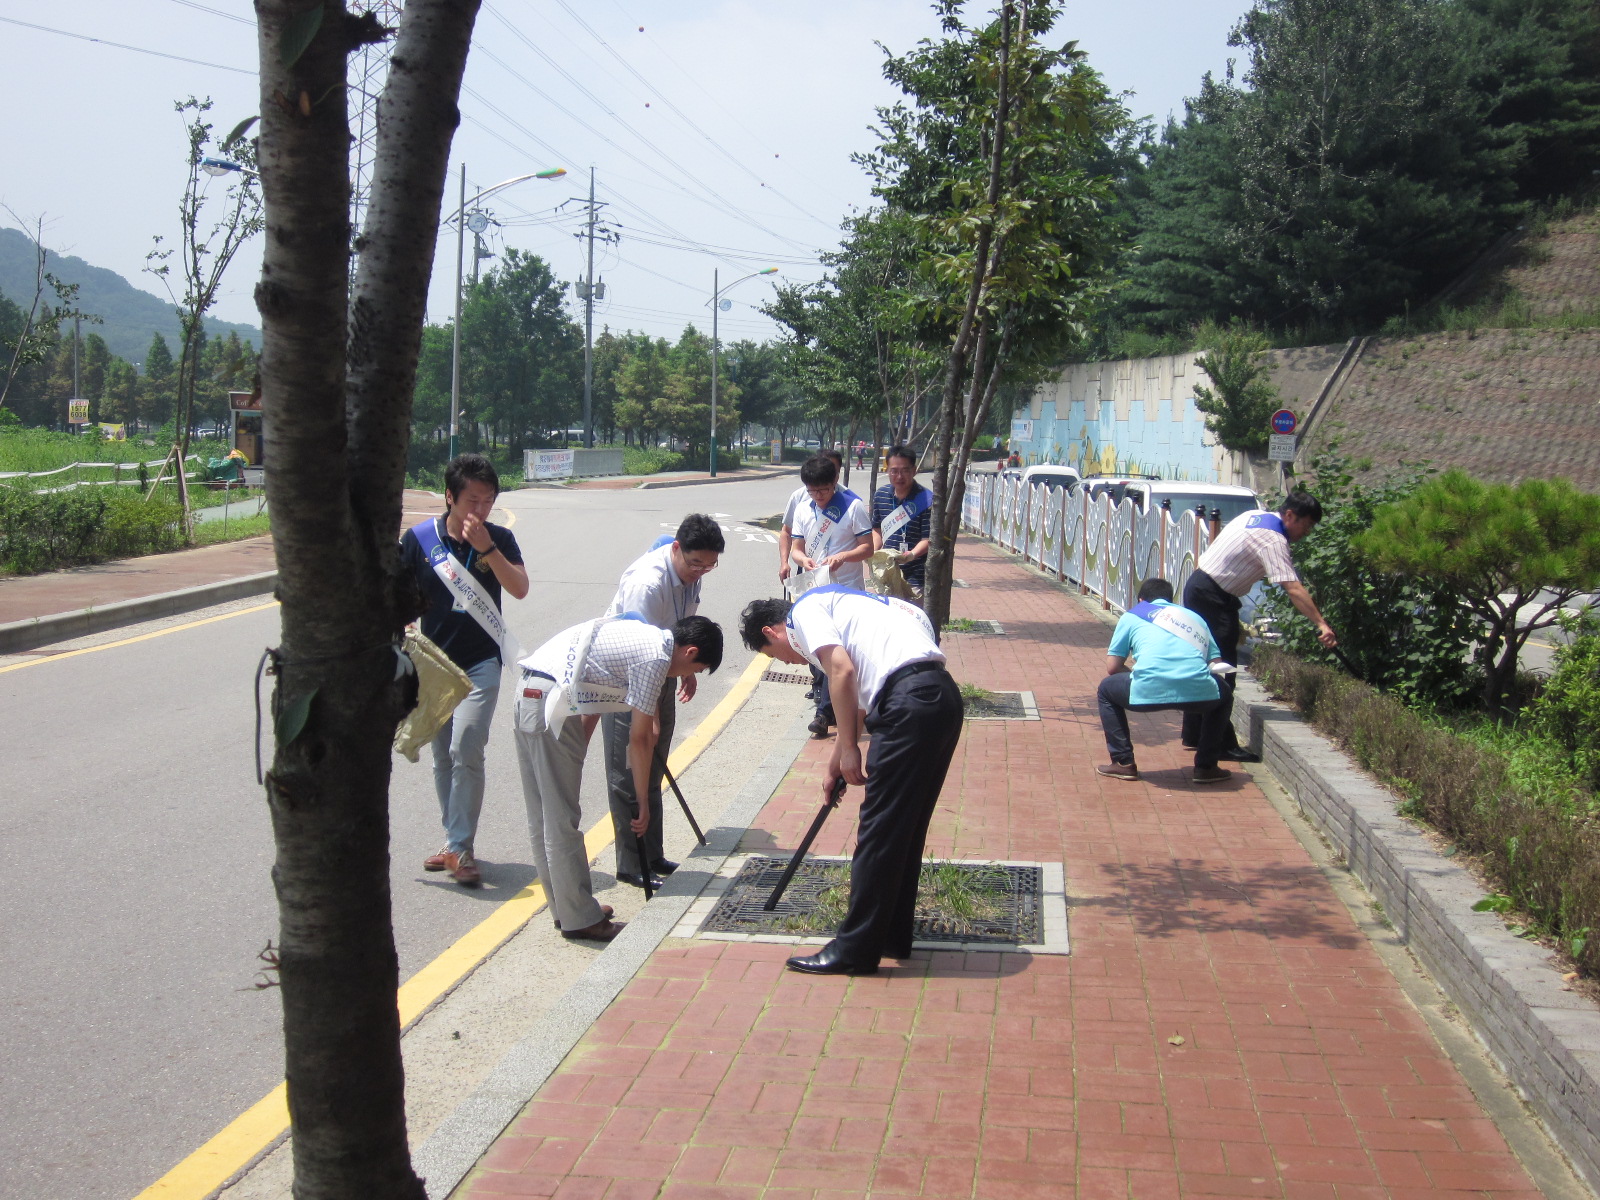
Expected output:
{"points": [[885, 578], [441, 685]]}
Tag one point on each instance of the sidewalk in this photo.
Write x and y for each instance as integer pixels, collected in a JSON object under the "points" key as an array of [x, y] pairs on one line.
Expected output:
{"points": [[1222, 1027], [29, 597]]}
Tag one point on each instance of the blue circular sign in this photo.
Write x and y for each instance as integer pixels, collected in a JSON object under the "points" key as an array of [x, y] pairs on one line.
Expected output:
{"points": [[1284, 421]]}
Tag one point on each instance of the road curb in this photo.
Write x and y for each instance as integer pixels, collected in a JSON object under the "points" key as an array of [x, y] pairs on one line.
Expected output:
{"points": [[62, 627], [1545, 1039], [463, 1137]]}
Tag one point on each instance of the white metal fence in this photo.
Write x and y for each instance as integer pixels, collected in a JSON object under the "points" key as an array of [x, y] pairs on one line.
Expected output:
{"points": [[1108, 549], [124, 474]]}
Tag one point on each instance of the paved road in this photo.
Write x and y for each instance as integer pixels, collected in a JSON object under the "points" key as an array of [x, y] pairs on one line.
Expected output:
{"points": [[138, 894]]}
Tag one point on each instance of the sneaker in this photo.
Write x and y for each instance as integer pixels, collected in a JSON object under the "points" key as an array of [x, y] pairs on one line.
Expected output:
{"points": [[463, 869], [1211, 775], [436, 862], [1119, 771]]}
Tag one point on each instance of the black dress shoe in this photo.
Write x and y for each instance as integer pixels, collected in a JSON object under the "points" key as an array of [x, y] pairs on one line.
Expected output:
{"points": [[632, 880], [663, 866], [829, 961], [1240, 755]]}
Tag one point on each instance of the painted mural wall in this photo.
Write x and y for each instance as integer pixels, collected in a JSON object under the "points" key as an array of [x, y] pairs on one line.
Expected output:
{"points": [[1125, 416]]}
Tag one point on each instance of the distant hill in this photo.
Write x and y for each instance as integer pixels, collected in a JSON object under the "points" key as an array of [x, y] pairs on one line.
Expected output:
{"points": [[131, 315]]}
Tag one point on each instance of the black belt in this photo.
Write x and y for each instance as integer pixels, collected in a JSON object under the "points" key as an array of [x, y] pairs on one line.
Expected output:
{"points": [[916, 668], [538, 674]]}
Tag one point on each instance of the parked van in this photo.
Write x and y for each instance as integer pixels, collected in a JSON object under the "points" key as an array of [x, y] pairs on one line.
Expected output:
{"points": [[1053, 475], [1149, 493]]}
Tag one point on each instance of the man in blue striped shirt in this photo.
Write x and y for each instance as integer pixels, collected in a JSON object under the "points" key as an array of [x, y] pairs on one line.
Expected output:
{"points": [[902, 516]]}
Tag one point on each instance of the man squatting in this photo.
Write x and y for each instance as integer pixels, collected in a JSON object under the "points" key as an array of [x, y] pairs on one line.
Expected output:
{"points": [[605, 666], [887, 675], [461, 562], [663, 587]]}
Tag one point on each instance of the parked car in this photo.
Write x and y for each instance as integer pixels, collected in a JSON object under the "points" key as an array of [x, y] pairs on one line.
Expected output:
{"points": [[1149, 493], [1053, 475]]}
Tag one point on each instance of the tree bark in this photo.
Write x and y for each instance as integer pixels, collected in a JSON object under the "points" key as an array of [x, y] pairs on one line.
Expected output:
{"points": [[339, 430]]}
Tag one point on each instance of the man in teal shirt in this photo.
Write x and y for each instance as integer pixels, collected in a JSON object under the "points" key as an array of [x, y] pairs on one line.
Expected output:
{"points": [[1175, 660]]}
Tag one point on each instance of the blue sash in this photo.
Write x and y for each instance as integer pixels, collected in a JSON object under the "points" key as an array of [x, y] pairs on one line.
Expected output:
{"points": [[1266, 521], [1178, 621]]}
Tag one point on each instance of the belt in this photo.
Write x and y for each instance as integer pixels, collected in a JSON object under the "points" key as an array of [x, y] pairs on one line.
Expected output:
{"points": [[534, 693], [916, 668]]}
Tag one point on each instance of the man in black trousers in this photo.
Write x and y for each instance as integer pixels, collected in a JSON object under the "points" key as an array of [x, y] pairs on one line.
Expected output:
{"points": [[1253, 546], [886, 674]]}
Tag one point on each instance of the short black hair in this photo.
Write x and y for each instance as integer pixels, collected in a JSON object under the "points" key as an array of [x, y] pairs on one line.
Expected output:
{"points": [[834, 453], [759, 614], [464, 468], [902, 451], [700, 532], [703, 633], [818, 470], [1302, 504], [1154, 589]]}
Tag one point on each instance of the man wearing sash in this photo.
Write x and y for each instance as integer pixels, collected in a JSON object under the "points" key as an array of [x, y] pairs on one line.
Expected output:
{"points": [[791, 510], [609, 665], [833, 540], [902, 516], [462, 563], [663, 587], [1173, 653], [1254, 546], [888, 677]]}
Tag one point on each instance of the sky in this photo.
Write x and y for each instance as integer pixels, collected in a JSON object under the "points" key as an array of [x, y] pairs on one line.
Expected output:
{"points": [[720, 131]]}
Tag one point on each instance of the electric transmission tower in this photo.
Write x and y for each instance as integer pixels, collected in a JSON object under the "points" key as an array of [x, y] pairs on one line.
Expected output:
{"points": [[369, 69]]}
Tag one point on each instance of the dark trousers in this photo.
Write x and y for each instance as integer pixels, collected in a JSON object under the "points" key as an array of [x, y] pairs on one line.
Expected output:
{"points": [[1114, 709], [822, 694], [915, 724], [1220, 611], [615, 729]]}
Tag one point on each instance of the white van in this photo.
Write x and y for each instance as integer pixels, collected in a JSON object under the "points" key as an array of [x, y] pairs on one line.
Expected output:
{"points": [[1053, 475]]}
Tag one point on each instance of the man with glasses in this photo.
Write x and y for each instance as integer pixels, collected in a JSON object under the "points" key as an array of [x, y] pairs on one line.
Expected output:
{"points": [[902, 517], [662, 587]]}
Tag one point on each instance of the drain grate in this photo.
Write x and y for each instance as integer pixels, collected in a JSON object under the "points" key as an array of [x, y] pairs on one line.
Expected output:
{"points": [[1003, 706], [1015, 893], [784, 677], [977, 625]]}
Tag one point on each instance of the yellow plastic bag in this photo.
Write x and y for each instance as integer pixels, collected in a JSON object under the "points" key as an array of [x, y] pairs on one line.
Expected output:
{"points": [[885, 578], [441, 685]]}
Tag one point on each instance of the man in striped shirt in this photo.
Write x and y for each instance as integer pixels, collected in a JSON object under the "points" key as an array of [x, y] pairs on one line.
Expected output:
{"points": [[1254, 546], [902, 515]]}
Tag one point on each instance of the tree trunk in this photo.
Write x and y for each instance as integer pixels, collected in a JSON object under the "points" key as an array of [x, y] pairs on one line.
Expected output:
{"points": [[339, 430]]}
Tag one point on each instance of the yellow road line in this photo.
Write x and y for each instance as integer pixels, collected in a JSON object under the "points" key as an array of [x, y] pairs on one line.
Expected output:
{"points": [[209, 1167], [143, 637]]}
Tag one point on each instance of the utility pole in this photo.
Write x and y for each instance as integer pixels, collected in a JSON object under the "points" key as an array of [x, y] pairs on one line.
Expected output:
{"points": [[588, 331]]}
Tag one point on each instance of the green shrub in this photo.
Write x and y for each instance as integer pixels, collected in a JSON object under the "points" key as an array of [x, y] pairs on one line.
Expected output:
{"points": [[42, 531], [649, 460], [1543, 856], [1567, 711], [1402, 634]]}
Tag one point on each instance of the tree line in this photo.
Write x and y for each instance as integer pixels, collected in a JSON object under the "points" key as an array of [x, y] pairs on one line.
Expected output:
{"points": [[144, 397]]}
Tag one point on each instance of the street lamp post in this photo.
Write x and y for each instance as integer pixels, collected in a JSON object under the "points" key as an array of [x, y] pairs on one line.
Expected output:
{"points": [[460, 218], [716, 305]]}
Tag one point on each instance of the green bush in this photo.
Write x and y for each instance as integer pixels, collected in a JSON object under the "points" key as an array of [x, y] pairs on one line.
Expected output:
{"points": [[1567, 711], [42, 531], [1545, 857], [1403, 634], [649, 460]]}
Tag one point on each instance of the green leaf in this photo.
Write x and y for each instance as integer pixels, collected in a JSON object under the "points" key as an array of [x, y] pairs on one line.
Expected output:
{"points": [[298, 33], [238, 131], [1495, 903], [292, 717]]}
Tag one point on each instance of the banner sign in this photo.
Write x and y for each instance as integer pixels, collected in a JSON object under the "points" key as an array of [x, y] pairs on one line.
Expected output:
{"points": [[114, 433], [77, 412], [777, 450], [547, 464], [1021, 431]]}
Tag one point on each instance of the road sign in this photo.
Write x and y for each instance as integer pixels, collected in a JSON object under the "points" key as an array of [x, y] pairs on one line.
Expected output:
{"points": [[1280, 447], [1284, 421]]}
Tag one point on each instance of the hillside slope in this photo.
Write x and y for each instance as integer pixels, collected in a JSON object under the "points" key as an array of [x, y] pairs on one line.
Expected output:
{"points": [[131, 315]]}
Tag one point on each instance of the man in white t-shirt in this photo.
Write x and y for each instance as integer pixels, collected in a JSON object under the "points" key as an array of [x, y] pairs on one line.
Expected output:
{"points": [[792, 508], [887, 676], [663, 587], [832, 540], [614, 664]]}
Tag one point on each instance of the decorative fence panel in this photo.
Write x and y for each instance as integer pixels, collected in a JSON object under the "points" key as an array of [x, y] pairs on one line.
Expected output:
{"points": [[1108, 550]]}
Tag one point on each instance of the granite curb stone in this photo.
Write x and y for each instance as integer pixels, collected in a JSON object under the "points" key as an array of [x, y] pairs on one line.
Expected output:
{"points": [[60, 627], [1545, 1038]]}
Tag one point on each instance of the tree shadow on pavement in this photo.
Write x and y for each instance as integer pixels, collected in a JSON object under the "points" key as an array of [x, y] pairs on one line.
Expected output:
{"points": [[1287, 904]]}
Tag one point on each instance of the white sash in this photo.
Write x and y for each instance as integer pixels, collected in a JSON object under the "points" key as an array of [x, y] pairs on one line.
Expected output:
{"points": [[562, 699], [459, 580], [1179, 622]]}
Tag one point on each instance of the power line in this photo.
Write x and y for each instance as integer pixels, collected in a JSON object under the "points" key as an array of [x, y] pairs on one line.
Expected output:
{"points": [[215, 12], [683, 116], [83, 37]]}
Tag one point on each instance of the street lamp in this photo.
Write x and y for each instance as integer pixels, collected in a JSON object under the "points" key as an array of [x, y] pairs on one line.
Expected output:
{"points": [[459, 217], [717, 303]]}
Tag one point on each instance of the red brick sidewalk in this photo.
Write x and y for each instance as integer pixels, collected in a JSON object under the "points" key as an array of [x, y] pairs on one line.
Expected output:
{"points": [[1221, 1027]]}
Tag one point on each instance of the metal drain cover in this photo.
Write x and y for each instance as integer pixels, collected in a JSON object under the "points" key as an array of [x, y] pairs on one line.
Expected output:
{"points": [[1003, 706], [784, 677], [1017, 891]]}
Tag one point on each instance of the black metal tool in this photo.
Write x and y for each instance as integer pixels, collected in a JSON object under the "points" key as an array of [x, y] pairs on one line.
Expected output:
{"points": [[678, 792], [828, 806], [644, 865]]}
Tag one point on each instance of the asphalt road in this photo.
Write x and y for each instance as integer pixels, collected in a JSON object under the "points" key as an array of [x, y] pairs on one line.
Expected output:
{"points": [[139, 846]]}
